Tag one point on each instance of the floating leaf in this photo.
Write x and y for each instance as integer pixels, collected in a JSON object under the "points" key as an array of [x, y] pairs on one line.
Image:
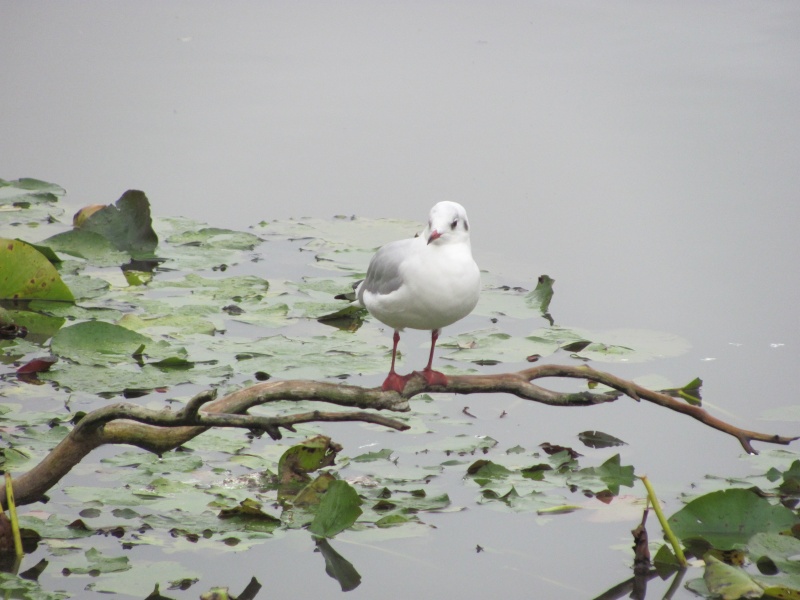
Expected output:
{"points": [[25, 587], [214, 237], [610, 474], [727, 518], [37, 365], [27, 191], [728, 582], [311, 495], [503, 301], [339, 509], [690, 392], [598, 439], [665, 561], [349, 318], [249, 509], [539, 299], [125, 378], [97, 563], [576, 346], [98, 343], [331, 241], [484, 470], [308, 456], [89, 245], [491, 345], [776, 558], [47, 252], [791, 480], [384, 454], [626, 345], [25, 273], [39, 328], [126, 224]]}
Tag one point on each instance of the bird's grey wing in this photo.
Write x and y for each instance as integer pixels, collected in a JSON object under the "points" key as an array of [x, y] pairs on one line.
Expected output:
{"points": [[383, 273]]}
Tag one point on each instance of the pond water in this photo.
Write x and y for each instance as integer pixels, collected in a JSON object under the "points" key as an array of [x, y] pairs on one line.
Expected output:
{"points": [[644, 155]]}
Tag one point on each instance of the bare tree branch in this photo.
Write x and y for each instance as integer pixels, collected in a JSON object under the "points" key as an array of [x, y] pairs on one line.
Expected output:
{"points": [[164, 430]]}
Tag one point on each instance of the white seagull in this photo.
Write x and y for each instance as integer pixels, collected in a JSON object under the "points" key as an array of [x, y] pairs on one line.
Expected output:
{"points": [[427, 282]]}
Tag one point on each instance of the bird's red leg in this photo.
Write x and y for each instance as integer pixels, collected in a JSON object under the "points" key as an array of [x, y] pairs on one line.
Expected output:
{"points": [[394, 382], [431, 376]]}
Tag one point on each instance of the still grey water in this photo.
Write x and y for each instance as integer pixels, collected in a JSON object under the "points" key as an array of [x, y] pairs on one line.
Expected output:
{"points": [[644, 155]]}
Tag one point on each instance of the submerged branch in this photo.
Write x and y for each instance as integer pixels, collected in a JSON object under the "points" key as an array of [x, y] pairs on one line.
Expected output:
{"points": [[164, 430]]}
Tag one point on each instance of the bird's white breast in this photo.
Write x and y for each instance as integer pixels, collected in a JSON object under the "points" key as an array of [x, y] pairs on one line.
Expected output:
{"points": [[440, 285]]}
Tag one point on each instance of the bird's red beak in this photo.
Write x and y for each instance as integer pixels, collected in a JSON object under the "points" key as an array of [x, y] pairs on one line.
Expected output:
{"points": [[435, 235]]}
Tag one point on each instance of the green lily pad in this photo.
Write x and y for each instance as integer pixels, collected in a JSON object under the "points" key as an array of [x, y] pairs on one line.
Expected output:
{"points": [[40, 327], [539, 299], [97, 563], [98, 343], [23, 589], [506, 302], [126, 224], [727, 519], [110, 379], [25, 273], [339, 509], [630, 345], [496, 347], [89, 245], [54, 527], [214, 237], [599, 439], [610, 475], [331, 242], [483, 471], [781, 550], [384, 454], [307, 456], [729, 582], [27, 191]]}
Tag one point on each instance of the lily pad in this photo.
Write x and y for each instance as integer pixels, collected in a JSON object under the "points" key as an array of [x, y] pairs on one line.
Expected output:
{"points": [[307, 456], [27, 191], [539, 299], [25, 273], [23, 589], [210, 238], [631, 345], [598, 439], [339, 509], [611, 475], [97, 563], [331, 241], [497, 347], [727, 519], [89, 245], [98, 343], [729, 582], [40, 327], [126, 224]]}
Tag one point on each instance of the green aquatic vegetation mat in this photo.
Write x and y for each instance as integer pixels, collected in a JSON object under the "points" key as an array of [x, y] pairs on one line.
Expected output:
{"points": [[151, 309]]}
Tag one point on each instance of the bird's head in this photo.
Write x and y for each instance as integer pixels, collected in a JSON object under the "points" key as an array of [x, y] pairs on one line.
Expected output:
{"points": [[447, 223]]}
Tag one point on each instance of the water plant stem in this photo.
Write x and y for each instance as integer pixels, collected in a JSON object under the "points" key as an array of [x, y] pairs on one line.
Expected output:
{"points": [[12, 511], [673, 540]]}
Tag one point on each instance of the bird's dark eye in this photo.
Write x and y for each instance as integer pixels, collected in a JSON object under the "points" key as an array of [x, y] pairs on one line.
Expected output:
{"points": [[454, 224]]}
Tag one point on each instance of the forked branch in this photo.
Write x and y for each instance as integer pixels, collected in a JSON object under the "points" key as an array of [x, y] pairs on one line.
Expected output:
{"points": [[164, 430]]}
